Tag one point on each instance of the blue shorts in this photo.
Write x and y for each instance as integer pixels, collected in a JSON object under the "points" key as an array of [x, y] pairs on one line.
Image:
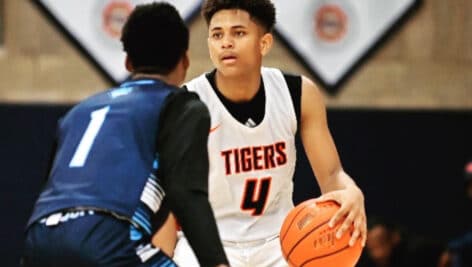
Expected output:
{"points": [[82, 239]]}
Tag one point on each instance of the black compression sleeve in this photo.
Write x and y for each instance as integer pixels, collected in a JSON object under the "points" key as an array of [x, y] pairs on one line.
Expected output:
{"points": [[183, 153], [294, 83]]}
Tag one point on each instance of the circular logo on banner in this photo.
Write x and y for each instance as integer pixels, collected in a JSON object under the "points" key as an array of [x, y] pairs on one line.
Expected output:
{"points": [[114, 15], [330, 23], [334, 23], [109, 18]]}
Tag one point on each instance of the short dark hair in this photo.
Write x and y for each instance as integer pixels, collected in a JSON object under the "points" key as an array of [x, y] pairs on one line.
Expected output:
{"points": [[155, 38], [261, 11], [389, 224]]}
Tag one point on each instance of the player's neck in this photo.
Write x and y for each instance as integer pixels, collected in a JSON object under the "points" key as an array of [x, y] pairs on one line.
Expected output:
{"points": [[240, 88], [169, 79]]}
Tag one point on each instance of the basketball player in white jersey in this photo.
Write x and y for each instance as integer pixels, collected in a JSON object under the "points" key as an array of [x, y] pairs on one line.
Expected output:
{"points": [[255, 114]]}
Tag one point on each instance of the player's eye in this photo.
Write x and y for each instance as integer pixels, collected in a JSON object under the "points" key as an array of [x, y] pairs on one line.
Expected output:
{"points": [[216, 35], [240, 33]]}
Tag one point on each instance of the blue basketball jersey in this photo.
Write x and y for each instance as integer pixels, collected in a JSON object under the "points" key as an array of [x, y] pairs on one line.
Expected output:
{"points": [[106, 156]]}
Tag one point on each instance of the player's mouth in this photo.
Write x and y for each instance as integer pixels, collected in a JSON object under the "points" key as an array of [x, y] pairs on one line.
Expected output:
{"points": [[228, 58]]}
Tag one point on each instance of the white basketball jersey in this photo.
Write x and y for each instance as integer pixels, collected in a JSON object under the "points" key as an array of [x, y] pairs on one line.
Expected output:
{"points": [[251, 169]]}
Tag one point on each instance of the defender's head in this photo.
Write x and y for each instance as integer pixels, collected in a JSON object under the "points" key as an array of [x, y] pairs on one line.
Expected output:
{"points": [[156, 40]]}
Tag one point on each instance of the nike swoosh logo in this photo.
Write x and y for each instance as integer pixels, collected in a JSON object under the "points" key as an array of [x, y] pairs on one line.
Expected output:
{"points": [[215, 128]]}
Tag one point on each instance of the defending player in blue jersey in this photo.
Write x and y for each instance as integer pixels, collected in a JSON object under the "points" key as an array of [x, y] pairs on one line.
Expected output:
{"points": [[127, 156]]}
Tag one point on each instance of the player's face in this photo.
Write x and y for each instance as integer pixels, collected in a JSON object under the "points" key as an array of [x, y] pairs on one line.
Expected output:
{"points": [[379, 245], [236, 43]]}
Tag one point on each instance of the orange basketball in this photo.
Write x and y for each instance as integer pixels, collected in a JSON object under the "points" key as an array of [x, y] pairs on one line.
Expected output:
{"points": [[307, 240]]}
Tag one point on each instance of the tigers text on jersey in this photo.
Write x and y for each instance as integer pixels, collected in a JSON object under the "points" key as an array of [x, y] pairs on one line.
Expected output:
{"points": [[251, 168]]}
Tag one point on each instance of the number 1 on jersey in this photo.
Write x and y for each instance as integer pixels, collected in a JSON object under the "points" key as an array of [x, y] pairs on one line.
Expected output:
{"points": [[256, 192], [83, 149]]}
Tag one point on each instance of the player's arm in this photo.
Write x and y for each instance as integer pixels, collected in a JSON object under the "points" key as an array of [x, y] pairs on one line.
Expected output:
{"points": [[335, 184], [184, 168], [165, 237]]}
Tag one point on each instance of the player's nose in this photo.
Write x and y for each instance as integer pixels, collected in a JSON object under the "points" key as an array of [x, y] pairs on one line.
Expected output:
{"points": [[227, 42]]}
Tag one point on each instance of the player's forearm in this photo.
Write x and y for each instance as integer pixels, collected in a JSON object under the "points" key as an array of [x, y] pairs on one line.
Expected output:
{"points": [[337, 180], [196, 218]]}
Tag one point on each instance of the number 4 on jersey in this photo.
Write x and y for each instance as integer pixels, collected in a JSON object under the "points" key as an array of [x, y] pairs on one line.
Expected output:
{"points": [[255, 195]]}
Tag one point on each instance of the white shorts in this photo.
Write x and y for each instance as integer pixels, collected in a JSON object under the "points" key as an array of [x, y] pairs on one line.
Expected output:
{"points": [[261, 253]]}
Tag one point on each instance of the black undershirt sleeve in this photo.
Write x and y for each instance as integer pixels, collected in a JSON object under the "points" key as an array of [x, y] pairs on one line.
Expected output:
{"points": [[294, 83], [184, 165]]}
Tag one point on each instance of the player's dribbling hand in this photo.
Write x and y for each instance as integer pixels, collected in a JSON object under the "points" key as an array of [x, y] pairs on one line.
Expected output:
{"points": [[352, 210]]}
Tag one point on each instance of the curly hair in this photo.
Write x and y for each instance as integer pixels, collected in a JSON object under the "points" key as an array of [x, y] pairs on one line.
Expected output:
{"points": [[261, 11]]}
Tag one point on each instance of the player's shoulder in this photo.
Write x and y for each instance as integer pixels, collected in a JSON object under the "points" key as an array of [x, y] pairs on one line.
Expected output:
{"points": [[308, 83], [198, 82], [184, 95], [311, 90], [290, 77], [186, 101], [89, 102], [293, 80]]}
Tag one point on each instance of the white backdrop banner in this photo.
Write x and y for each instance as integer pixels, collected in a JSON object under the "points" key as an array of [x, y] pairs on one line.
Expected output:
{"points": [[331, 36], [95, 26]]}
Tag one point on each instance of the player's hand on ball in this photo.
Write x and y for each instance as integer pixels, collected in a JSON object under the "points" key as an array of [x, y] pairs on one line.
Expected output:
{"points": [[352, 210]]}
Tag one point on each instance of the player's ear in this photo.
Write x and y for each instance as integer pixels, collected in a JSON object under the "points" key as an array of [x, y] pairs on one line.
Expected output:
{"points": [[186, 60], [129, 65], [266, 43], [182, 67]]}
